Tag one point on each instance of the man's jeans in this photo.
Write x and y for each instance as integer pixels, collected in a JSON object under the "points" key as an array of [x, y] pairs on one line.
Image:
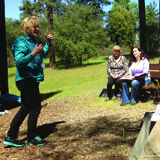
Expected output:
{"points": [[135, 84]]}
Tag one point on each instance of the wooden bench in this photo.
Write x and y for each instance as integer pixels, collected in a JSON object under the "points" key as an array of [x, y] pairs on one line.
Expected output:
{"points": [[153, 87]]}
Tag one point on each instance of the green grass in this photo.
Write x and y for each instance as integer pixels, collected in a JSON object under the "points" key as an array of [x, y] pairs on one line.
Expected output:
{"points": [[62, 83], [86, 81]]}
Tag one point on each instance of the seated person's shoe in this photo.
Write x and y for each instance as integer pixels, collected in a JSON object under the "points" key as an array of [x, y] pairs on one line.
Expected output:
{"points": [[107, 98], [133, 103], [118, 97], [123, 104], [37, 141], [114, 98], [13, 142]]}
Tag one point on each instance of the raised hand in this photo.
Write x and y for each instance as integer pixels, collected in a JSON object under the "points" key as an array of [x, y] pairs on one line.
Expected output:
{"points": [[37, 50], [49, 37]]}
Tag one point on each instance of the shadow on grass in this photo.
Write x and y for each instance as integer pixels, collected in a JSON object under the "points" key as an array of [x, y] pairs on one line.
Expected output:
{"points": [[45, 96], [101, 125], [59, 66], [97, 138], [153, 54], [11, 75], [46, 129], [43, 131], [100, 138]]}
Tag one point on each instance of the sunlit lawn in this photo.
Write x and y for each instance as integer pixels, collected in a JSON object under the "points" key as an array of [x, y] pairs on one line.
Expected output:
{"points": [[61, 83], [86, 81]]}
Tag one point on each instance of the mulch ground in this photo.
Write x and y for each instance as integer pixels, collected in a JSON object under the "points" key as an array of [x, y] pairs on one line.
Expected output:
{"points": [[77, 133]]}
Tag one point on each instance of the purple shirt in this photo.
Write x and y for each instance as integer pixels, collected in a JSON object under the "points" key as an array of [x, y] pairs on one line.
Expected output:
{"points": [[137, 69]]}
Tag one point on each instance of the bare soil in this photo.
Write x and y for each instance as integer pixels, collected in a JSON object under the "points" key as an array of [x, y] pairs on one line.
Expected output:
{"points": [[78, 132]]}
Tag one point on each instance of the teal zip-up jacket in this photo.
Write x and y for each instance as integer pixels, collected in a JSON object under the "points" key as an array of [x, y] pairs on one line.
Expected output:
{"points": [[28, 66]]}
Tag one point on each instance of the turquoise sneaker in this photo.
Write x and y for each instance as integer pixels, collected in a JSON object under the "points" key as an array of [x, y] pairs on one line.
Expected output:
{"points": [[13, 142], [37, 141]]}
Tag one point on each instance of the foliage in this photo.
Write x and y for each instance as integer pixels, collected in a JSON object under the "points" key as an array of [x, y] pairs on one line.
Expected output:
{"points": [[93, 2], [43, 8], [43, 30], [12, 28], [27, 9], [130, 6], [126, 4], [39, 7], [121, 26], [78, 34], [152, 26], [97, 4]]}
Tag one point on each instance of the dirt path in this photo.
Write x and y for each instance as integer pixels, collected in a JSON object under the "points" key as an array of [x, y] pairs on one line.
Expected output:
{"points": [[77, 133]]}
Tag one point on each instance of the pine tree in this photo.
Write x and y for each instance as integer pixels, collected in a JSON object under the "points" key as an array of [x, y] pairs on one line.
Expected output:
{"points": [[43, 8], [121, 26]]}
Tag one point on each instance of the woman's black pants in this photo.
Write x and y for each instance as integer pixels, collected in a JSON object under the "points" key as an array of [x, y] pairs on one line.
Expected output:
{"points": [[110, 83], [30, 105]]}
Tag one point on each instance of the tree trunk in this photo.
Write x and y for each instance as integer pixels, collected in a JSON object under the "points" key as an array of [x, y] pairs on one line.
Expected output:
{"points": [[159, 31], [80, 61], [3, 52], [142, 22], [52, 56]]}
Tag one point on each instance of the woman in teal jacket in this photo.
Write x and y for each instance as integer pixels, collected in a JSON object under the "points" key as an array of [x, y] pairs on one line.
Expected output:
{"points": [[28, 55]]}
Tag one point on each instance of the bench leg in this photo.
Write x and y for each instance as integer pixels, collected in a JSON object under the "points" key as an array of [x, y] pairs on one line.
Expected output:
{"points": [[140, 95]]}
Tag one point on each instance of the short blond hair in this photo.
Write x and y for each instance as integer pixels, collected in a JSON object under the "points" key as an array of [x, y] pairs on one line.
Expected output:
{"points": [[27, 24], [116, 47]]}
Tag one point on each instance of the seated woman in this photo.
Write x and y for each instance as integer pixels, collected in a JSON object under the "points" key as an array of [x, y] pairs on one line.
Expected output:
{"points": [[116, 67], [138, 69]]}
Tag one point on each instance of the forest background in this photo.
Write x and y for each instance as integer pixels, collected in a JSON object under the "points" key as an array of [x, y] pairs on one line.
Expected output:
{"points": [[83, 30], [83, 36]]}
